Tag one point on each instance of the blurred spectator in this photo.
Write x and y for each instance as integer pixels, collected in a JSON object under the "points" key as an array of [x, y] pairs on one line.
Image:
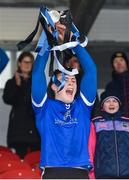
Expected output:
{"points": [[74, 64], [22, 133], [120, 79], [3, 60], [112, 139]]}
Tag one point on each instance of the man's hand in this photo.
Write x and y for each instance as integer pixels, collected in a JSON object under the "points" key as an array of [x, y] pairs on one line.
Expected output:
{"points": [[61, 32], [61, 29]]}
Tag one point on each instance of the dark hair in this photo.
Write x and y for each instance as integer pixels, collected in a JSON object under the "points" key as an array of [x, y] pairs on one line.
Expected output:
{"points": [[50, 92], [25, 54]]}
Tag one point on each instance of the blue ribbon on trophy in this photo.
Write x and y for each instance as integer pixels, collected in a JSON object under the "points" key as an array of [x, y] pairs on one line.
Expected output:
{"points": [[49, 40]]}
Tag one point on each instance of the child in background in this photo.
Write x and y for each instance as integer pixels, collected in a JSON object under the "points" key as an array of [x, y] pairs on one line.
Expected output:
{"points": [[112, 139]]}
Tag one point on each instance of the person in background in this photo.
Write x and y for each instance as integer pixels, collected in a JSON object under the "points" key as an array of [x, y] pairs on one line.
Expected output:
{"points": [[111, 160], [3, 60], [22, 134], [120, 79]]}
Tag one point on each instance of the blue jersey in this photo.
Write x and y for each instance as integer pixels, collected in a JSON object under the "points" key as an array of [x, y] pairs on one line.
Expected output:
{"points": [[64, 128], [64, 133]]}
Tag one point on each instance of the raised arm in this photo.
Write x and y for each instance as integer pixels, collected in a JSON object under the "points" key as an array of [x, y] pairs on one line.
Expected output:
{"points": [[39, 85], [89, 80]]}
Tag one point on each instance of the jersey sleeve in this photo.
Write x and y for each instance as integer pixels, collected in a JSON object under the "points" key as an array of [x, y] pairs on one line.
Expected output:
{"points": [[88, 85], [39, 84]]}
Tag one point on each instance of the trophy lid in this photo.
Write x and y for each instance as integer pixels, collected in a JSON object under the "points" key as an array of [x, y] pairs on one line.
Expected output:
{"points": [[55, 15]]}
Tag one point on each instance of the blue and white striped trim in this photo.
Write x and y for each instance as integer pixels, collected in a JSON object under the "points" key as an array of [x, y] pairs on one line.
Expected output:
{"points": [[40, 104], [86, 101]]}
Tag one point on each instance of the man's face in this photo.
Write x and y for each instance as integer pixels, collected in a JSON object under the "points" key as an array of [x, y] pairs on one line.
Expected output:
{"points": [[67, 94], [120, 65], [111, 105], [74, 63]]}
